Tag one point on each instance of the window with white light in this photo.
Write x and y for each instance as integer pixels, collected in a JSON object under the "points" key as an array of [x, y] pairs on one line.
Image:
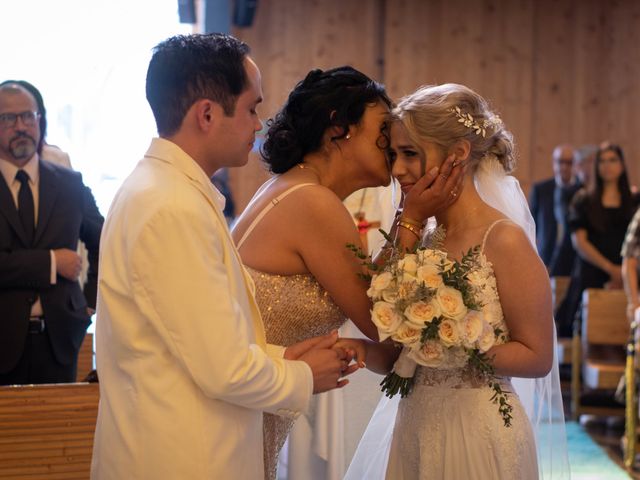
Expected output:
{"points": [[89, 59]]}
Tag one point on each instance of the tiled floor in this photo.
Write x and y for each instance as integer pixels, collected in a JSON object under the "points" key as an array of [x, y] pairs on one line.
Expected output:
{"points": [[607, 433]]}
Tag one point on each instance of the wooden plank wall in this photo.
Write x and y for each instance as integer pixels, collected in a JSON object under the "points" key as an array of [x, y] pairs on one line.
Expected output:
{"points": [[556, 70], [291, 37]]}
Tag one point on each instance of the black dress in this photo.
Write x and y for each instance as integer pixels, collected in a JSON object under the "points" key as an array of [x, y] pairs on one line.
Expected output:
{"points": [[607, 238]]}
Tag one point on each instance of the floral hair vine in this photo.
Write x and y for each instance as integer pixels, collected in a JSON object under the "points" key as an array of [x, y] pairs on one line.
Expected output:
{"points": [[479, 127]]}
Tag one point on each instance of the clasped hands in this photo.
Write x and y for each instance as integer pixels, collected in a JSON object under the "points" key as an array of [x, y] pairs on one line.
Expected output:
{"points": [[329, 358]]}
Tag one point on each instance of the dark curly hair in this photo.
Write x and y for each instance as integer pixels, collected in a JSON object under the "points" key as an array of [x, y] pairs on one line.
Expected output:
{"points": [[187, 68], [324, 99]]}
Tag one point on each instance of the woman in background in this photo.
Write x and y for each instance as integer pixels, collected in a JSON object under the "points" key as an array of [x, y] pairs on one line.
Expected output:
{"points": [[598, 218]]}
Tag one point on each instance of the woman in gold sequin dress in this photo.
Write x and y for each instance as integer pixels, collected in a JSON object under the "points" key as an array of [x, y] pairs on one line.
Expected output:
{"points": [[327, 141]]}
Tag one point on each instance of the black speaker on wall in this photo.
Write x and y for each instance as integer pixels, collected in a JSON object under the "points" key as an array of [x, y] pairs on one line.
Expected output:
{"points": [[243, 12], [187, 11]]}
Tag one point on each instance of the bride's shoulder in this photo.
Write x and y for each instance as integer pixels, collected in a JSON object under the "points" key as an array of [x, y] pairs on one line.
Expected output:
{"points": [[505, 238]]}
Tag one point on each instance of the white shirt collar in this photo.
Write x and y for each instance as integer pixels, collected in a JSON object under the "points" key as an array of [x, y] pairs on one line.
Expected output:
{"points": [[9, 170], [165, 149]]}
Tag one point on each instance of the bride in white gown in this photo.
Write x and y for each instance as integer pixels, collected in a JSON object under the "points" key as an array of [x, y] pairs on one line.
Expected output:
{"points": [[448, 427]]}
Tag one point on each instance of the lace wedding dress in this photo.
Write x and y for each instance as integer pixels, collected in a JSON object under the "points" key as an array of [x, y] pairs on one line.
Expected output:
{"points": [[448, 427]]}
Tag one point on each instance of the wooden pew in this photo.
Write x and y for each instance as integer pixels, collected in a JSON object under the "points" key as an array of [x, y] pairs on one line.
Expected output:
{"points": [[599, 353], [85, 358], [46, 431]]}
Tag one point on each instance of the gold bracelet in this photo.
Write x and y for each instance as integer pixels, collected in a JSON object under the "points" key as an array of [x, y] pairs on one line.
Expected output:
{"points": [[411, 221], [411, 228]]}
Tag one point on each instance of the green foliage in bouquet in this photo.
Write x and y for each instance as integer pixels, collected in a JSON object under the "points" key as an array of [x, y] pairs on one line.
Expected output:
{"points": [[454, 274]]}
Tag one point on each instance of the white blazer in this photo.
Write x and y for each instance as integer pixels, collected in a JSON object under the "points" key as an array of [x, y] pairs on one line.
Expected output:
{"points": [[184, 369]]}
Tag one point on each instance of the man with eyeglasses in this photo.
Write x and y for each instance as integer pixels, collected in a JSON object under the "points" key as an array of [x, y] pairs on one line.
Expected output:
{"points": [[44, 210], [549, 202]]}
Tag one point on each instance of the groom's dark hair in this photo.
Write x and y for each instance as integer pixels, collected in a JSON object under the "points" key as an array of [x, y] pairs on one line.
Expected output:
{"points": [[187, 68]]}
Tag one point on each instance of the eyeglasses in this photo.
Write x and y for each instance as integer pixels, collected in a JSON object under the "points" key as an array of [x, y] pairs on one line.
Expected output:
{"points": [[9, 120]]}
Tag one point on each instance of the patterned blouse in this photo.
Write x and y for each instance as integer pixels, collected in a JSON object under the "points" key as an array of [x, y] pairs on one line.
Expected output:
{"points": [[631, 245]]}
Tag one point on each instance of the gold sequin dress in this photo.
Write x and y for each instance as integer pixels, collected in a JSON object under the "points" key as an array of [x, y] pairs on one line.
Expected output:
{"points": [[293, 308]]}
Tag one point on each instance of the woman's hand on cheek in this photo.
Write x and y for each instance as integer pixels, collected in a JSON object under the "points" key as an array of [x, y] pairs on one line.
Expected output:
{"points": [[435, 191]]}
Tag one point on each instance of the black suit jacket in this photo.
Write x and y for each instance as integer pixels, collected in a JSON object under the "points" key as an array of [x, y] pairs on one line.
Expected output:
{"points": [[541, 204], [67, 212], [564, 255]]}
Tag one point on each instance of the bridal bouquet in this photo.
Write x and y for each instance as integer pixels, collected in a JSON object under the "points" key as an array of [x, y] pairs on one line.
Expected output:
{"points": [[441, 312]]}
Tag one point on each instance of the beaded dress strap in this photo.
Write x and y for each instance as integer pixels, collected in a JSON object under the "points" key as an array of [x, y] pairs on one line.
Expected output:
{"points": [[486, 234], [266, 210]]}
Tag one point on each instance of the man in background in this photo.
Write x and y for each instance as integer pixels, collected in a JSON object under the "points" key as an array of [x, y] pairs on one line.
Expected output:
{"points": [[583, 166], [44, 210], [549, 202]]}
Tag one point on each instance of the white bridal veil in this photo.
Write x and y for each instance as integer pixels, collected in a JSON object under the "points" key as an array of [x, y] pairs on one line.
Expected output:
{"points": [[540, 397]]}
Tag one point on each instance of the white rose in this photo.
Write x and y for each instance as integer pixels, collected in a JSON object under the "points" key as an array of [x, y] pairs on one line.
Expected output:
{"points": [[419, 313], [487, 339], [430, 354], [409, 278], [429, 274], [390, 295], [472, 326], [449, 333], [407, 334], [409, 263], [451, 303], [379, 283], [385, 318]]}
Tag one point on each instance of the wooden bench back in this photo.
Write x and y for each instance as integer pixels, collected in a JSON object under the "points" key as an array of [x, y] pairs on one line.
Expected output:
{"points": [[46, 431], [604, 317], [85, 358]]}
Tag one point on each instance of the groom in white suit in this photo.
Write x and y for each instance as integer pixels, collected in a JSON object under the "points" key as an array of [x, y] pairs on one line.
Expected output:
{"points": [[185, 372]]}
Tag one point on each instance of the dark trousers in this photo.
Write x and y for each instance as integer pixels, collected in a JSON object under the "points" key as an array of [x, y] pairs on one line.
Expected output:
{"points": [[39, 365]]}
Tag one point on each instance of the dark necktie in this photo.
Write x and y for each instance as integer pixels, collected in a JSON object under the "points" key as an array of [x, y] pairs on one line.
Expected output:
{"points": [[25, 205]]}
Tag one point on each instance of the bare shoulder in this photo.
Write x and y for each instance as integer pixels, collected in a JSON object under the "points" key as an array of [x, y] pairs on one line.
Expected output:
{"points": [[319, 203], [507, 240]]}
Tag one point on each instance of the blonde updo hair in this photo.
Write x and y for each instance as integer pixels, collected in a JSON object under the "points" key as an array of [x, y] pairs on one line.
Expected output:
{"points": [[429, 115]]}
